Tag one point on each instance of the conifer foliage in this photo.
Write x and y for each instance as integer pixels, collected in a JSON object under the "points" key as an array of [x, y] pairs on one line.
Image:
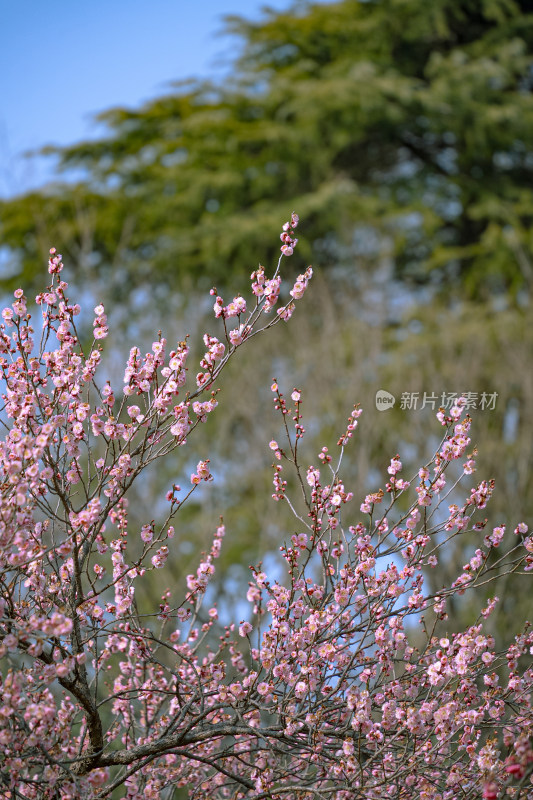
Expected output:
{"points": [[402, 122]]}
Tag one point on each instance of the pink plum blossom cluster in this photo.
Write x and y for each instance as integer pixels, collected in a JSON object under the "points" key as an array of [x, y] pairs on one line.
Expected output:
{"points": [[340, 683], [287, 235]]}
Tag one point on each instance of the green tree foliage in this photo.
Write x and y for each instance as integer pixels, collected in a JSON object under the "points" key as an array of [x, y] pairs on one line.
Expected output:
{"points": [[391, 125]]}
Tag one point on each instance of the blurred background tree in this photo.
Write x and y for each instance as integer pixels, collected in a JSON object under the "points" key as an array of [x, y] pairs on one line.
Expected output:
{"points": [[395, 120], [400, 131]]}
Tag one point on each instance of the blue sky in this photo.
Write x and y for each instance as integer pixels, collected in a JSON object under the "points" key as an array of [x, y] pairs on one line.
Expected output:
{"points": [[62, 61]]}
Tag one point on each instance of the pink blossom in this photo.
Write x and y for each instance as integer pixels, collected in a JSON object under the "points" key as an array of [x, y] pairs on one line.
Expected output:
{"points": [[238, 335], [271, 293], [147, 533], [286, 312], [244, 629], [395, 466]]}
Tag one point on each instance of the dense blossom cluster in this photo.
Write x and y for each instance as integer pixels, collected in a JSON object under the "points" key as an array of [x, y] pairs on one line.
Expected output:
{"points": [[324, 690]]}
